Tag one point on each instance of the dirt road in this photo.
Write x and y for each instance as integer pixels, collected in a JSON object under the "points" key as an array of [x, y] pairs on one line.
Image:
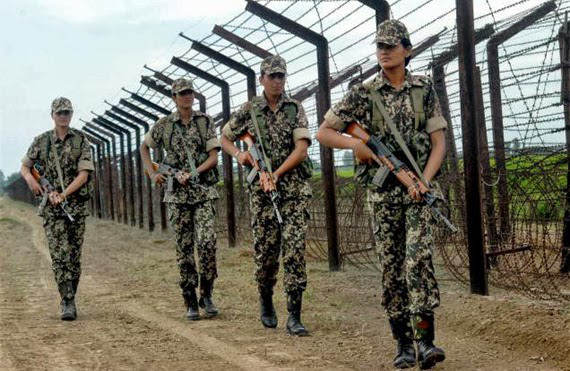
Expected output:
{"points": [[131, 313]]}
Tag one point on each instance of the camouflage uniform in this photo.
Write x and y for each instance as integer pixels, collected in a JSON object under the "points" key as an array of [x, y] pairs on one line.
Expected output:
{"points": [[294, 190], [64, 237], [191, 208], [402, 227]]}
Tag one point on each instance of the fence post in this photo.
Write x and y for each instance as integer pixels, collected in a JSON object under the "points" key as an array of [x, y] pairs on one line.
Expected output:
{"points": [[497, 106], [470, 125], [564, 39]]}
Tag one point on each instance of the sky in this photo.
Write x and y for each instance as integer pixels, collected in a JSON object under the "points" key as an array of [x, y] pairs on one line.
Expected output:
{"points": [[87, 50]]}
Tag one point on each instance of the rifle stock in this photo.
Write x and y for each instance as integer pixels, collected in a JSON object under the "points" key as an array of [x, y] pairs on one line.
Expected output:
{"points": [[38, 174], [404, 175], [261, 168], [154, 168], [170, 173]]}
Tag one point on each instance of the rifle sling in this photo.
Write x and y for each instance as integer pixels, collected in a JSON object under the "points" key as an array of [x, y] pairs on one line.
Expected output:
{"points": [[57, 165], [378, 101], [258, 134], [189, 157]]}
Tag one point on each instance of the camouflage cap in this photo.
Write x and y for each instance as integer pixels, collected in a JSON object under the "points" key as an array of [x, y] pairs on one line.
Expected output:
{"points": [[273, 64], [181, 85], [61, 104], [391, 32]]}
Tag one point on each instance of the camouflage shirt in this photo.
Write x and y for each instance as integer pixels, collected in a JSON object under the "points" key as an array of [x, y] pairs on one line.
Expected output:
{"points": [[356, 106], [176, 153], [74, 154], [282, 133]]}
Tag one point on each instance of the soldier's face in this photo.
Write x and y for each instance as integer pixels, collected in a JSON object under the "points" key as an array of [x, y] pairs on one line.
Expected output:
{"points": [[184, 99], [62, 118], [273, 83], [391, 56]]}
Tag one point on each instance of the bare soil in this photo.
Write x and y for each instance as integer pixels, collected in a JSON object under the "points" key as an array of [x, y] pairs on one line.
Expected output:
{"points": [[131, 314]]}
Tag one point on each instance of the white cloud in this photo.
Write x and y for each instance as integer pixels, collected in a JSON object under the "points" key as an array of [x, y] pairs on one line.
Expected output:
{"points": [[139, 11]]}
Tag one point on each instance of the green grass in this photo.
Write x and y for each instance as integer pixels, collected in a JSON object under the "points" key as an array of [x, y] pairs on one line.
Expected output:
{"points": [[10, 221], [536, 182]]}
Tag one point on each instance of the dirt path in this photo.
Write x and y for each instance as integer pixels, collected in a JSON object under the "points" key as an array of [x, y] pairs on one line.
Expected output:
{"points": [[131, 314]]}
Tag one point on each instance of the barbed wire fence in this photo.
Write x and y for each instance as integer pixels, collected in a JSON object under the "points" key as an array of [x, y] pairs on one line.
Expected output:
{"points": [[523, 143]]}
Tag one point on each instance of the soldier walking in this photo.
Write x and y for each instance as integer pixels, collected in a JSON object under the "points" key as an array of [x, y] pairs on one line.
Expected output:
{"points": [[403, 227], [190, 167], [60, 160], [278, 125]]}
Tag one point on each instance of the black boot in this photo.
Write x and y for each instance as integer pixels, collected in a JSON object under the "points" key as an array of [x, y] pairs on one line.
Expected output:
{"points": [[424, 332], [69, 313], [266, 308], [206, 302], [403, 333], [68, 309], [294, 325], [74, 285], [191, 302]]}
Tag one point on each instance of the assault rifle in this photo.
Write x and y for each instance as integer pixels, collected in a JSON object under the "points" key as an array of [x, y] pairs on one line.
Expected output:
{"points": [[39, 175], [262, 168], [170, 173], [391, 164]]}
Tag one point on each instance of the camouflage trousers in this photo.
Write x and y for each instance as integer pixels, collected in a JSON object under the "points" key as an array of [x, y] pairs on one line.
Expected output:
{"points": [[194, 227], [271, 239], [64, 241], [403, 230]]}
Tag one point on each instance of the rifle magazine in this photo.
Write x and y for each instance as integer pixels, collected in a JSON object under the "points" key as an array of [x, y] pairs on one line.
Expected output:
{"points": [[381, 176], [251, 176]]}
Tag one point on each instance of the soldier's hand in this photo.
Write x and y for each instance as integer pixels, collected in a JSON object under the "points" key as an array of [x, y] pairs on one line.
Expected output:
{"points": [[265, 182], [244, 158], [34, 186], [55, 198], [182, 177], [415, 192], [275, 178], [158, 178], [364, 154]]}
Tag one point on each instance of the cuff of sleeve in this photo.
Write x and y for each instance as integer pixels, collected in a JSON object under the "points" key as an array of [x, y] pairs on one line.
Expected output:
{"points": [[301, 133], [334, 121], [85, 165], [27, 162], [228, 133], [213, 143], [435, 124], [149, 141]]}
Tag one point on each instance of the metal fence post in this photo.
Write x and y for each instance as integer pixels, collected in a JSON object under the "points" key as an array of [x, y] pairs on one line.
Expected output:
{"points": [[110, 205], [124, 168], [128, 163], [497, 105], [564, 39], [470, 124], [145, 126]]}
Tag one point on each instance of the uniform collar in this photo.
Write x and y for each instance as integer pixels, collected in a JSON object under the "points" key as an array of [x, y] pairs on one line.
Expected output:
{"points": [[176, 116], [381, 81], [263, 103], [70, 132]]}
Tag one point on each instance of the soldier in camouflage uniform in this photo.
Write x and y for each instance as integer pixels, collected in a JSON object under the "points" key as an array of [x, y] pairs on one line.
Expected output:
{"points": [[285, 137], [402, 226], [65, 157], [191, 146]]}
